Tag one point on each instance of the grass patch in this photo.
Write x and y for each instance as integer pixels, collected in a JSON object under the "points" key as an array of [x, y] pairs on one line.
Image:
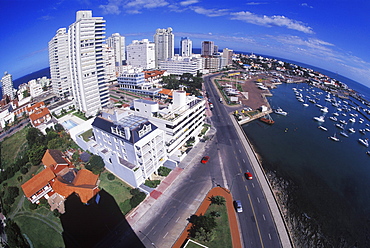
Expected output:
{"points": [[118, 189], [222, 231], [40, 234], [13, 147], [86, 135], [80, 115]]}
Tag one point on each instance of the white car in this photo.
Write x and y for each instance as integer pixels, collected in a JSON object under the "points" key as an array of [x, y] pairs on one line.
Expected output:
{"points": [[238, 206]]}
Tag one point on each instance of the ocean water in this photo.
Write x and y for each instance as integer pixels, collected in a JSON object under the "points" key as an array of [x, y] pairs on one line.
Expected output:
{"points": [[329, 181]]}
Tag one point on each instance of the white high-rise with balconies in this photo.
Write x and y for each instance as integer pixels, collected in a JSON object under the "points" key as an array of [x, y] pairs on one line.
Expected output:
{"points": [[186, 47], [87, 71], [59, 64], [164, 45], [7, 85], [141, 54], [117, 43]]}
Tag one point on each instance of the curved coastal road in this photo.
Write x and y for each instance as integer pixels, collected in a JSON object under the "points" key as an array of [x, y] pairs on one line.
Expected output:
{"points": [[257, 226]]}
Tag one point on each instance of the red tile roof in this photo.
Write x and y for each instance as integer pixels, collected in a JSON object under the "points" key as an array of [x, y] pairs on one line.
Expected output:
{"points": [[37, 182]]}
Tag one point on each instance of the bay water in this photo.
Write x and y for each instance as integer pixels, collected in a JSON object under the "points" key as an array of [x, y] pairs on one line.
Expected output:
{"points": [[329, 182]]}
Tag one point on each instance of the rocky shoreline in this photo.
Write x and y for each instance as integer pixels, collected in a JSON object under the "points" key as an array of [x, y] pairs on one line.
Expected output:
{"points": [[304, 230]]}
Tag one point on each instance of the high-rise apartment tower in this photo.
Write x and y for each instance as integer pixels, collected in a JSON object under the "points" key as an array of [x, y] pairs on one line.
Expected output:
{"points": [[186, 47], [164, 44], [117, 43], [7, 85], [85, 43]]}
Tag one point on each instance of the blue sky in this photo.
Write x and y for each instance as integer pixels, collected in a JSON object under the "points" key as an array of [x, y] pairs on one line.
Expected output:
{"points": [[331, 34]]}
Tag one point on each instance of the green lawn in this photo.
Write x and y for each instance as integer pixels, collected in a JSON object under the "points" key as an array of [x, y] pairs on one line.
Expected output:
{"points": [[118, 189], [40, 233], [86, 135], [222, 231], [12, 147]]}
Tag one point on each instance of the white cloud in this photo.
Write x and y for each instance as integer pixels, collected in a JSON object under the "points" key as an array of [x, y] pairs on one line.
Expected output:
{"points": [[210, 12], [188, 2], [255, 3], [306, 5], [113, 7], [270, 21], [148, 4]]}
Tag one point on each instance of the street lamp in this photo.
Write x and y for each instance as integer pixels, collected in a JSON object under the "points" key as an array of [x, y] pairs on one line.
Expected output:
{"points": [[148, 239], [232, 182]]}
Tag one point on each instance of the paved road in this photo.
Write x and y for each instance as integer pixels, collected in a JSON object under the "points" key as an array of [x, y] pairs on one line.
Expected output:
{"points": [[256, 223]]}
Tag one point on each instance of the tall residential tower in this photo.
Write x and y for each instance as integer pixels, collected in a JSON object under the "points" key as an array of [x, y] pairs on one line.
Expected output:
{"points": [[164, 45], [117, 43], [59, 64], [85, 43], [186, 47], [7, 85]]}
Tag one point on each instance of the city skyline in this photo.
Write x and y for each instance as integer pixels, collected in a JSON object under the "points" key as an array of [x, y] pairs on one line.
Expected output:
{"points": [[316, 33]]}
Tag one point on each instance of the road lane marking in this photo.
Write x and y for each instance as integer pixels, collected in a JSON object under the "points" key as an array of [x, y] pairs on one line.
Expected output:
{"points": [[264, 218], [258, 199], [240, 151], [254, 214], [177, 219], [269, 236], [165, 235], [222, 169], [243, 161], [246, 187], [253, 185]]}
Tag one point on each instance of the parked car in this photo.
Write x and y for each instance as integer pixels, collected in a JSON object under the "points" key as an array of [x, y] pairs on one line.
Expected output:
{"points": [[248, 176], [205, 159], [238, 206]]}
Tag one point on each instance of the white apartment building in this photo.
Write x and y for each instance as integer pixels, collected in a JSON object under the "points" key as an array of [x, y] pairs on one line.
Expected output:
{"points": [[85, 43], [213, 63], [59, 64], [208, 48], [186, 47], [132, 147], [164, 45], [110, 68], [35, 87], [183, 119], [141, 54], [179, 65], [227, 54], [7, 85], [117, 43], [134, 80]]}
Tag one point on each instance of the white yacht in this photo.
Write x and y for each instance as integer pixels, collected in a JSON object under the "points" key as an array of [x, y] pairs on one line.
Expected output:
{"points": [[364, 142], [319, 119], [279, 111]]}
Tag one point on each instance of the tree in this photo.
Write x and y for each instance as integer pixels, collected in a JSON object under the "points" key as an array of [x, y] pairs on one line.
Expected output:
{"points": [[25, 94], [35, 137], [58, 127], [35, 154], [24, 170], [95, 164], [14, 235], [136, 198], [217, 200], [110, 177], [202, 227]]}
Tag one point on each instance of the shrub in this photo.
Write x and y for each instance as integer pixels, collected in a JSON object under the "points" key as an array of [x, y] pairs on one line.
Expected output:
{"points": [[32, 206], [136, 199], [111, 177], [152, 183], [164, 171], [24, 170]]}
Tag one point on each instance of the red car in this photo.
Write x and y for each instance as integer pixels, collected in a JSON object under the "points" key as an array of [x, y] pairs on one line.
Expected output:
{"points": [[248, 175], [205, 159]]}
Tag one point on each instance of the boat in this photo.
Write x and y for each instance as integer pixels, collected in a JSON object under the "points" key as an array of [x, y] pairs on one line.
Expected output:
{"points": [[364, 142], [362, 131], [344, 134], [323, 128], [352, 120], [324, 109], [333, 118], [339, 126], [267, 119], [368, 153], [279, 111], [343, 122], [336, 114], [318, 105], [352, 130], [319, 119], [334, 138]]}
